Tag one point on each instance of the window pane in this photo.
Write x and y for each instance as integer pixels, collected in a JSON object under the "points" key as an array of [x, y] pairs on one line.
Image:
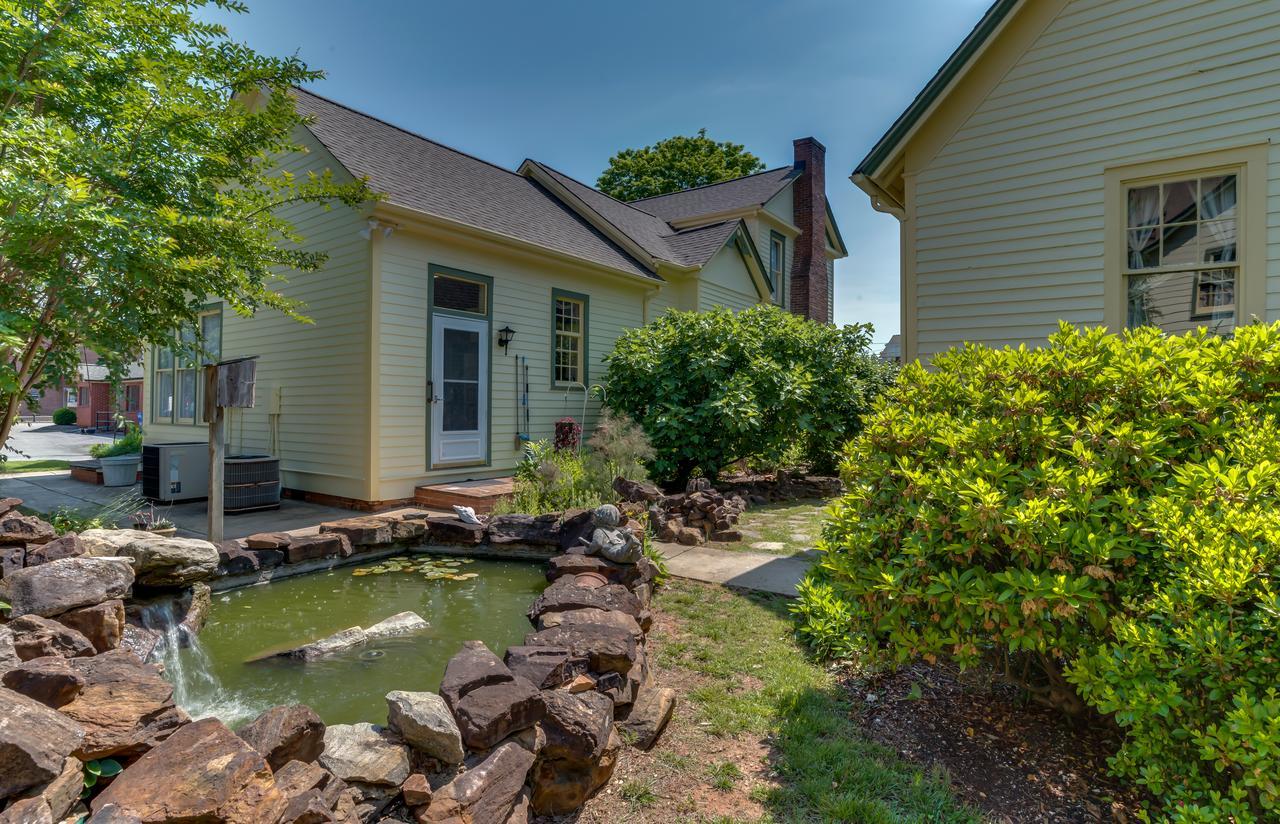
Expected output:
{"points": [[164, 395], [1182, 301], [211, 335], [461, 406], [775, 258], [568, 315], [460, 295], [1218, 241], [164, 358], [1180, 202], [187, 346], [1144, 206], [461, 355], [1180, 245], [187, 393], [1144, 248], [1218, 197]]}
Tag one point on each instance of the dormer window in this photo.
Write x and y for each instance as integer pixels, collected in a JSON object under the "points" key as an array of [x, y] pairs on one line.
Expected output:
{"points": [[777, 267]]}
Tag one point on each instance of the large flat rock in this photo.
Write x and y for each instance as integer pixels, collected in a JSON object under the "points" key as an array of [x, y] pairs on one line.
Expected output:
{"points": [[68, 583], [126, 707], [159, 561], [203, 772]]}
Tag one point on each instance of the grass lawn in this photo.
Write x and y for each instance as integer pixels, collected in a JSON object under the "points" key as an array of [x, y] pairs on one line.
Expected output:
{"points": [[761, 733], [783, 528], [33, 466]]}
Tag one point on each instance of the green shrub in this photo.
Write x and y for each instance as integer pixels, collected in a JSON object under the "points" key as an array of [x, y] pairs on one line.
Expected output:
{"points": [[712, 388], [552, 480], [1098, 519], [64, 416], [129, 444]]}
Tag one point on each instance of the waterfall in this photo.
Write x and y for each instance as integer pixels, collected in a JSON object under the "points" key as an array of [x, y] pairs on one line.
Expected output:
{"points": [[187, 665]]}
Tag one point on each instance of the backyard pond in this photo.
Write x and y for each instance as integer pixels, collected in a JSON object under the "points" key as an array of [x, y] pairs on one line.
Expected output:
{"points": [[230, 671]]}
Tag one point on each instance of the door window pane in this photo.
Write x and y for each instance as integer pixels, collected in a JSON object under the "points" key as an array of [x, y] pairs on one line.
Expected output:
{"points": [[459, 294], [461, 355], [461, 406]]}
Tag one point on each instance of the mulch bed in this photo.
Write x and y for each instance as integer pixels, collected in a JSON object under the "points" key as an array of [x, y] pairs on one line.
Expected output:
{"points": [[1014, 760]]}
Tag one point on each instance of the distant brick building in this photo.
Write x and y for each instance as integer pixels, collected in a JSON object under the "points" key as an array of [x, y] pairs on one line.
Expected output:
{"points": [[91, 395]]}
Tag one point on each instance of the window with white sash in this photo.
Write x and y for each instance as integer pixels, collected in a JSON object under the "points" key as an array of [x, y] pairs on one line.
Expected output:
{"points": [[1181, 253]]}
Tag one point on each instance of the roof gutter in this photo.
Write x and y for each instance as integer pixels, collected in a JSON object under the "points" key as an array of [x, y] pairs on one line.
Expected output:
{"points": [[881, 200], [935, 89]]}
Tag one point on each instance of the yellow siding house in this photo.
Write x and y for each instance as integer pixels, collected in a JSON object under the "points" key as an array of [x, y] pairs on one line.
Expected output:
{"points": [[471, 307], [1096, 161]]}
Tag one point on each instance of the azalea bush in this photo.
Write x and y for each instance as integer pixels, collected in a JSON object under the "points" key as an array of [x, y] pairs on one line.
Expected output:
{"points": [[1097, 519], [712, 388]]}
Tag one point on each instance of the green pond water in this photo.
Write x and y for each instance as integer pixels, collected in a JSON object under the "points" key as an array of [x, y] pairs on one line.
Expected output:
{"points": [[215, 675]]}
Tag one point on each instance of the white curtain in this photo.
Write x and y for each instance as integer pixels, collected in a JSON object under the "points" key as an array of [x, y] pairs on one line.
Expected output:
{"points": [[1220, 202], [1144, 212]]}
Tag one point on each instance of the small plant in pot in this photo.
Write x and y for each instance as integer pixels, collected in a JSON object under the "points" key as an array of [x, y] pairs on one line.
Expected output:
{"points": [[119, 459], [147, 521]]}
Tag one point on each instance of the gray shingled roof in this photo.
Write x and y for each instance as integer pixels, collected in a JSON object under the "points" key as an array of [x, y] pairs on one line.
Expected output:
{"points": [[653, 234], [752, 190], [420, 174]]}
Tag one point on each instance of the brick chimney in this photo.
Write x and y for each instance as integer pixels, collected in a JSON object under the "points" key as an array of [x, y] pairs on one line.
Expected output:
{"points": [[809, 296]]}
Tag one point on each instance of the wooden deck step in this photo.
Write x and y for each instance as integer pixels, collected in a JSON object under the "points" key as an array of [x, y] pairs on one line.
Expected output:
{"points": [[479, 495]]}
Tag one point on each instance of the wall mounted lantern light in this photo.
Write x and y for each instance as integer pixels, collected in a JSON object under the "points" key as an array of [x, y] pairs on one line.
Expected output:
{"points": [[505, 334]]}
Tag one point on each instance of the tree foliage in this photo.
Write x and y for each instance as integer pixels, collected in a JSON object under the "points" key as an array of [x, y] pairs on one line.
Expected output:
{"points": [[711, 388], [674, 164], [1098, 519], [137, 180]]}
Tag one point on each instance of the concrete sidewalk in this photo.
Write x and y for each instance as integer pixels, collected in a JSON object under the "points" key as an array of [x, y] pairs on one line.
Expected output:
{"points": [[747, 570], [46, 492]]}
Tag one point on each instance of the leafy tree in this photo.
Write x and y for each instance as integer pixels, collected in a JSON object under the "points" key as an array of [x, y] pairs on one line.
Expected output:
{"points": [[674, 164], [711, 388], [138, 178]]}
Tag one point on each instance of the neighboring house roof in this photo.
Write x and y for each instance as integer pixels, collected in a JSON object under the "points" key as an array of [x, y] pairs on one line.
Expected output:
{"points": [[99, 372], [936, 87], [892, 350], [425, 176], [715, 198]]}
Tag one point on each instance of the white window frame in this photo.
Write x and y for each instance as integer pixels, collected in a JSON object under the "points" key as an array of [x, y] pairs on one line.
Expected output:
{"points": [[580, 376], [778, 241], [1250, 166], [72, 397], [180, 363]]}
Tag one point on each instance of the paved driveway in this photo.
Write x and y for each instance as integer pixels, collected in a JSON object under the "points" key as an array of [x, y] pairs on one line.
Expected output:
{"points": [[47, 442]]}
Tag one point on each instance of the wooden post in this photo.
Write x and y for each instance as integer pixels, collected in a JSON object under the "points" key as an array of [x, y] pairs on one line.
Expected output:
{"points": [[213, 413]]}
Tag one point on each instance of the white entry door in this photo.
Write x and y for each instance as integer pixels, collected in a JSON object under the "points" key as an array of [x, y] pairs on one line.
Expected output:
{"points": [[460, 387]]}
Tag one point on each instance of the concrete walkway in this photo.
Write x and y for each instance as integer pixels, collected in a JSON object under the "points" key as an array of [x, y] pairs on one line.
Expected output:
{"points": [[49, 491], [747, 570], [45, 441]]}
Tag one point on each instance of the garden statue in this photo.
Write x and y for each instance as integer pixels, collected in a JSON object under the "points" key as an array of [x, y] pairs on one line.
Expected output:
{"points": [[611, 541]]}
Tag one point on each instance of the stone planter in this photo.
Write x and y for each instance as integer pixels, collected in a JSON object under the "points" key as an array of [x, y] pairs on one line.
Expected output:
{"points": [[121, 470], [164, 531]]}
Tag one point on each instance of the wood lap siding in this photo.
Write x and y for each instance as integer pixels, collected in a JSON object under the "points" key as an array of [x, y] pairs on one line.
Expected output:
{"points": [[726, 281], [522, 293], [1009, 215], [322, 367]]}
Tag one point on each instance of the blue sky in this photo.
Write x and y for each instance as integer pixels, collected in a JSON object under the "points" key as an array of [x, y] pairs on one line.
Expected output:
{"points": [[570, 83]]}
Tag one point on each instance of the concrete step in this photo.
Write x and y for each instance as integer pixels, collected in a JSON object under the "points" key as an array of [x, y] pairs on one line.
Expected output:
{"points": [[479, 495]]}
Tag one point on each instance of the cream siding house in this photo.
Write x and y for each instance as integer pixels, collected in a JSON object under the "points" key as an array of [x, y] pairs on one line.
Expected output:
{"points": [[1096, 161], [401, 379]]}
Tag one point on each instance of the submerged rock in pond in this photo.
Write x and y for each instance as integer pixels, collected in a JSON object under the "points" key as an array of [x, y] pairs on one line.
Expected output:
{"points": [[403, 623]]}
